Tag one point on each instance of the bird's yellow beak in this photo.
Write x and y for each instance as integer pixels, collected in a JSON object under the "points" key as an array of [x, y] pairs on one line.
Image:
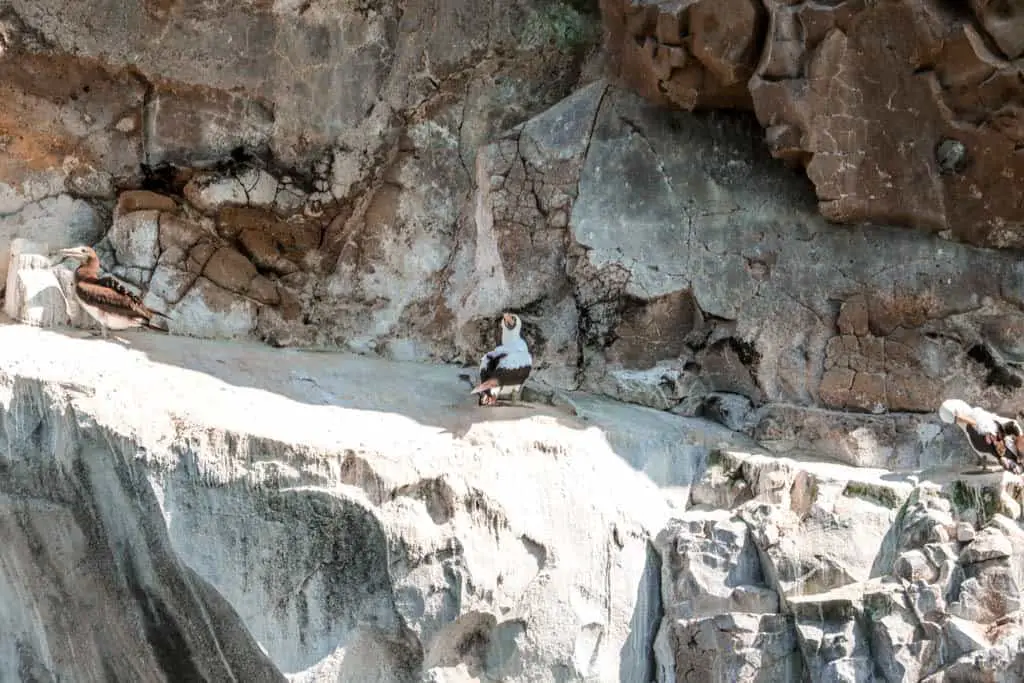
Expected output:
{"points": [[509, 320]]}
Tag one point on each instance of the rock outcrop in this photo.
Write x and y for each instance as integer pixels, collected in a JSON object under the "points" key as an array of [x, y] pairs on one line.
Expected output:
{"points": [[786, 570], [731, 468], [657, 257], [904, 112], [232, 511], [732, 298]]}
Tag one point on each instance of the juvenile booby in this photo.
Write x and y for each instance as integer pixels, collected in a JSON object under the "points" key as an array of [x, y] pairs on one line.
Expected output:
{"points": [[504, 369], [988, 434], [105, 299]]}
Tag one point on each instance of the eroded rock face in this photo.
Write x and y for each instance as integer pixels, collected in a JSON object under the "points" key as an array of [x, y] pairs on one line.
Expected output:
{"points": [[870, 576], [904, 113], [261, 502], [731, 299]]}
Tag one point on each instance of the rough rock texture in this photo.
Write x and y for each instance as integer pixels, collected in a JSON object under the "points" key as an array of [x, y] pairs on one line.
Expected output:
{"points": [[786, 570], [731, 299], [905, 112], [387, 178], [730, 292], [659, 258], [311, 504]]}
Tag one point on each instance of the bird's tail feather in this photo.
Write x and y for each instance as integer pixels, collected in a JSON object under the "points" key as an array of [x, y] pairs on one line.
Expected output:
{"points": [[484, 386]]}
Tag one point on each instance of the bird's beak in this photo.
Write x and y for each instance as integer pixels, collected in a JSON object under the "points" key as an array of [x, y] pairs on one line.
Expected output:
{"points": [[964, 420], [61, 256], [509, 320]]}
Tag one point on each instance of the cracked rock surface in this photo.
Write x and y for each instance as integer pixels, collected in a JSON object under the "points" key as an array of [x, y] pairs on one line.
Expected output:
{"points": [[743, 345], [905, 113], [659, 258], [790, 570]]}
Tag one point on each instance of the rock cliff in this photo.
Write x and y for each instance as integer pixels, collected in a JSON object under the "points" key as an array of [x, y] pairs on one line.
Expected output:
{"points": [[231, 512], [753, 245], [905, 112]]}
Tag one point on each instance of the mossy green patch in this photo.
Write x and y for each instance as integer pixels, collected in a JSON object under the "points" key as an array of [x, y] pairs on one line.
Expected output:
{"points": [[882, 495], [563, 25], [983, 502]]}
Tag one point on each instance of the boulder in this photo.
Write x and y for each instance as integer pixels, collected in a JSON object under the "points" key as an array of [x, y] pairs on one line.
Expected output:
{"points": [[33, 293]]}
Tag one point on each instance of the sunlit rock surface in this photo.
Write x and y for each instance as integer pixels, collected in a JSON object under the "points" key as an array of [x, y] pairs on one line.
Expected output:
{"points": [[273, 513]]}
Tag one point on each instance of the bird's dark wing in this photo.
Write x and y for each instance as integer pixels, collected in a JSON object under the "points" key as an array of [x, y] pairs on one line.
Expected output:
{"points": [[107, 294], [487, 372]]}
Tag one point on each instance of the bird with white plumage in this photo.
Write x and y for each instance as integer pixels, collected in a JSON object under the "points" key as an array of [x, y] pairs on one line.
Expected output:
{"points": [[504, 369], [988, 434]]}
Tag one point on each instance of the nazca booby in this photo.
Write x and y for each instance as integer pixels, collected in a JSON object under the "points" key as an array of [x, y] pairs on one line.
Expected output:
{"points": [[504, 369], [104, 298], [988, 434]]}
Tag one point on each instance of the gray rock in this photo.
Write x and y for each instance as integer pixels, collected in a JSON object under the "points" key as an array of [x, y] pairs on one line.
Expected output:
{"points": [[359, 535], [990, 544], [833, 641], [754, 648], [962, 636], [893, 630], [711, 566], [913, 565]]}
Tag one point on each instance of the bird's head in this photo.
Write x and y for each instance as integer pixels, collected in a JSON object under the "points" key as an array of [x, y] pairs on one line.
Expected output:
{"points": [[80, 254], [511, 327], [953, 408]]}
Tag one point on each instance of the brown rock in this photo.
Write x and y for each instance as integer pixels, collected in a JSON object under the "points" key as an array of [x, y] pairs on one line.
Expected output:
{"points": [[872, 355], [262, 249], [178, 232], [901, 112], [230, 269], [1004, 21], [264, 290], [56, 108], [725, 36], [867, 391], [840, 350], [692, 54], [834, 390], [653, 331], [910, 391], [139, 200], [901, 350], [853, 316], [271, 243], [917, 132], [290, 307], [199, 255]]}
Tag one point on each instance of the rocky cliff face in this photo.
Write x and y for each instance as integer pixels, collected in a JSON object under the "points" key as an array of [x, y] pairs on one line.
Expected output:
{"points": [[227, 512], [904, 112], [744, 342], [232, 512]]}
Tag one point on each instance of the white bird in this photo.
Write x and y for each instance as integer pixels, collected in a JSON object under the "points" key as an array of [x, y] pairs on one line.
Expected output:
{"points": [[988, 434], [504, 369]]}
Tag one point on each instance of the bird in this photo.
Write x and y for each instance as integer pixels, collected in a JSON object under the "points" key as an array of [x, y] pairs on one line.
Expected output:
{"points": [[988, 434], [504, 369], [104, 298]]}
